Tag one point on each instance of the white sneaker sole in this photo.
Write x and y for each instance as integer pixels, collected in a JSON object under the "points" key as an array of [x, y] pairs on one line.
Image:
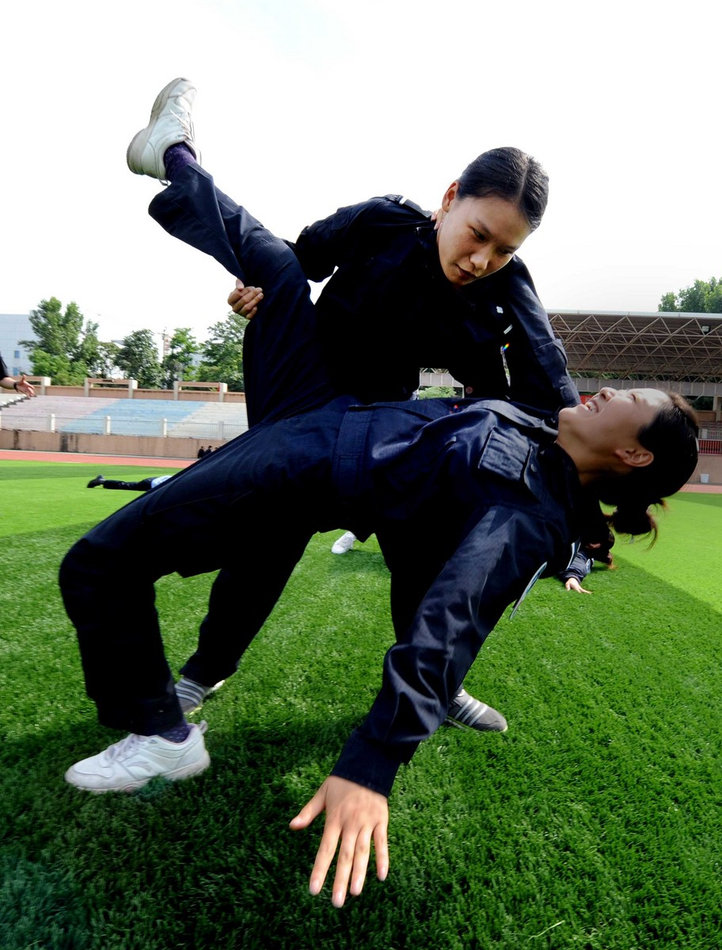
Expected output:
{"points": [[462, 725], [187, 771]]}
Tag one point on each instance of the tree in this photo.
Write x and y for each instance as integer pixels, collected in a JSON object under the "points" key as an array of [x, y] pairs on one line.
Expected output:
{"points": [[702, 297], [63, 347], [222, 355], [138, 358], [99, 357], [437, 392], [178, 361], [106, 360]]}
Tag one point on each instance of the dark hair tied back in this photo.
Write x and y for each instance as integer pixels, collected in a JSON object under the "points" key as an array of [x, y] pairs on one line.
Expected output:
{"points": [[628, 519], [511, 174], [672, 439]]}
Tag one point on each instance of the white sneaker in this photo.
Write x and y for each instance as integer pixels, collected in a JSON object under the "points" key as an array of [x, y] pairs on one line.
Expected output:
{"points": [[344, 543], [468, 713], [135, 760], [170, 123]]}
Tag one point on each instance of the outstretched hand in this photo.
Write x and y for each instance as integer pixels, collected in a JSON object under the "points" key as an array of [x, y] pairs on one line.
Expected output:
{"points": [[573, 584], [23, 386], [355, 815], [244, 300]]}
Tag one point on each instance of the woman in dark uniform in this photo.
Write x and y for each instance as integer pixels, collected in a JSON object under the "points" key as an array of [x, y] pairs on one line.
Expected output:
{"points": [[493, 493], [407, 291]]}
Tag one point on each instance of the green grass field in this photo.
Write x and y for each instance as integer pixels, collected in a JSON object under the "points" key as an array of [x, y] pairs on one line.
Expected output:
{"points": [[595, 822]]}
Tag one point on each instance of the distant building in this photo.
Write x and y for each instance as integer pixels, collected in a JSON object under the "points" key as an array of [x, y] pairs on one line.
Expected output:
{"points": [[13, 328]]}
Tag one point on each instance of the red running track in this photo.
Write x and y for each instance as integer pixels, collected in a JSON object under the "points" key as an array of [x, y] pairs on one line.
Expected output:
{"points": [[23, 456]]}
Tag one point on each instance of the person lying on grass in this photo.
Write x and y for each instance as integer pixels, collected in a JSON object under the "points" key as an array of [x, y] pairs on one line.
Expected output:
{"points": [[491, 493], [117, 484]]}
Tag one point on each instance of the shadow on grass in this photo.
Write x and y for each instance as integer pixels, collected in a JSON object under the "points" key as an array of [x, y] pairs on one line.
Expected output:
{"points": [[207, 862]]}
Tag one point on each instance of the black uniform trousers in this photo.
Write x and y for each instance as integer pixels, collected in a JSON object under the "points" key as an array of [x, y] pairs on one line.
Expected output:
{"points": [[226, 510], [284, 373]]}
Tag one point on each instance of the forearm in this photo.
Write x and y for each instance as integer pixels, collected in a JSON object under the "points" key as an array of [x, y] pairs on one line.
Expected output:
{"points": [[19, 385], [580, 566], [535, 357], [371, 764], [423, 671]]}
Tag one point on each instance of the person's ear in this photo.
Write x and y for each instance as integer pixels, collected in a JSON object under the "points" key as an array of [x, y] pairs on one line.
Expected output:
{"points": [[450, 195], [636, 457]]}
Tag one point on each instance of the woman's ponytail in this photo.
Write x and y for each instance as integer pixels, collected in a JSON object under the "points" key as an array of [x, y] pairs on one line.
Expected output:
{"points": [[627, 519], [671, 437]]}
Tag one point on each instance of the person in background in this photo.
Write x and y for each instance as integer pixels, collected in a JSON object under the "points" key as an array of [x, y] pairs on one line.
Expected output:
{"points": [[145, 484]]}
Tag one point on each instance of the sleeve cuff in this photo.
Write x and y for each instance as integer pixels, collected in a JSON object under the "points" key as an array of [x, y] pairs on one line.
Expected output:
{"points": [[368, 763]]}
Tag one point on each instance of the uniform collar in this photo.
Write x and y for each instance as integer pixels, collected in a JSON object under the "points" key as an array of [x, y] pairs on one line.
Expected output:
{"points": [[565, 483]]}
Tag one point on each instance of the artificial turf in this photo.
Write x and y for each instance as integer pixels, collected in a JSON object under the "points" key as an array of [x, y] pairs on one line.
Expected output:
{"points": [[593, 823]]}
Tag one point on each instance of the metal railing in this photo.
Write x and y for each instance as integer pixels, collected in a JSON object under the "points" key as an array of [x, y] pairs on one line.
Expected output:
{"points": [[220, 429]]}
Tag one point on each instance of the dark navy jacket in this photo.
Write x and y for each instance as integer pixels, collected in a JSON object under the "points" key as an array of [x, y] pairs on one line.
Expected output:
{"points": [[479, 487], [389, 296]]}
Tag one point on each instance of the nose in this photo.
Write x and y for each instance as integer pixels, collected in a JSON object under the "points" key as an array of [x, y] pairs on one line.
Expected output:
{"points": [[480, 260], [607, 392]]}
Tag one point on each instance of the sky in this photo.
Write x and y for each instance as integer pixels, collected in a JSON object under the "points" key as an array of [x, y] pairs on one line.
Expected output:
{"points": [[307, 105]]}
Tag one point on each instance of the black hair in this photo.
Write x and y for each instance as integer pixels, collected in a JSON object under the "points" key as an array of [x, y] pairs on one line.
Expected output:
{"points": [[672, 439], [511, 174]]}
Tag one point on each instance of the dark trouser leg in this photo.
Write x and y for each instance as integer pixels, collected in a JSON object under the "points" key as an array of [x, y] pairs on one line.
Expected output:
{"points": [[284, 374], [115, 484], [235, 617], [198, 521], [109, 595], [212, 515], [284, 369]]}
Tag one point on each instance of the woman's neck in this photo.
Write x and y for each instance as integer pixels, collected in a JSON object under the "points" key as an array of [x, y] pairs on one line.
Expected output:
{"points": [[589, 465]]}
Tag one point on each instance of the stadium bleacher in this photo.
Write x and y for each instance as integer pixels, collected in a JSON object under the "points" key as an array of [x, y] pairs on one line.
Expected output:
{"points": [[8, 398], [142, 417]]}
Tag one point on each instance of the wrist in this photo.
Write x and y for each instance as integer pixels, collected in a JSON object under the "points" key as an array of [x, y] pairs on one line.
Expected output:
{"points": [[15, 385]]}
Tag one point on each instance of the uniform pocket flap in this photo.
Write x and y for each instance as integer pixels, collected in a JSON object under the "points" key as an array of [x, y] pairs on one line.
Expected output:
{"points": [[505, 454]]}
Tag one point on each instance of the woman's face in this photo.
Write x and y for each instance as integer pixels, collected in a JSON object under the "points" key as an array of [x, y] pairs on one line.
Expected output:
{"points": [[613, 419], [477, 236]]}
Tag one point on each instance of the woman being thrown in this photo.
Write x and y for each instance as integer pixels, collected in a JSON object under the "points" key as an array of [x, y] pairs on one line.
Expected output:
{"points": [[491, 493]]}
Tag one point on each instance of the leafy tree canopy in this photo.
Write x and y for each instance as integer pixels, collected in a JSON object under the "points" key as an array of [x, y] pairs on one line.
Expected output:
{"points": [[67, 349], [64, 347], [704, 296], [222, 354], [436, 392], [138, 358], [178, 361]]}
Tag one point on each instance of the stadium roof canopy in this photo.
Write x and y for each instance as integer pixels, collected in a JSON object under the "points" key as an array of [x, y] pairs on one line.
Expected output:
{"points": [[686, 347]]}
